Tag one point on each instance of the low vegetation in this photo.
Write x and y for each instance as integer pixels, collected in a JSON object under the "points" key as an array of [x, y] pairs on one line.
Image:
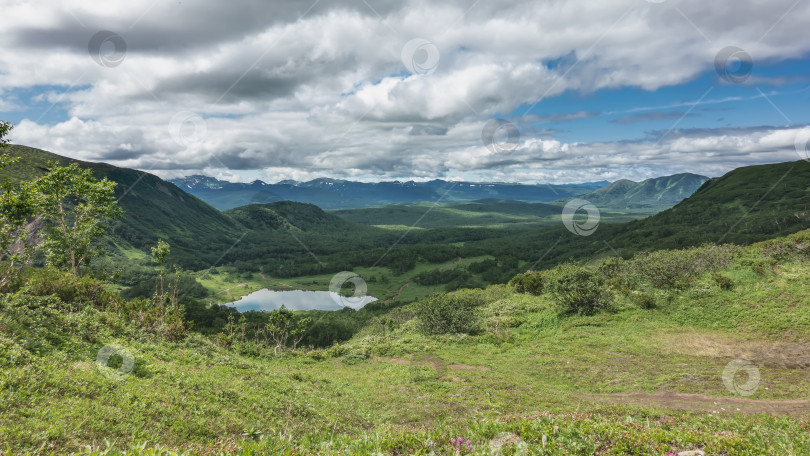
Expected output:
{"points": [[500, 368], [650, 354]]}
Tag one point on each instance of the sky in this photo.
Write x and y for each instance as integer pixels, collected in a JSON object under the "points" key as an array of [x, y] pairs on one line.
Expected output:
{"points": [[480, 90]]}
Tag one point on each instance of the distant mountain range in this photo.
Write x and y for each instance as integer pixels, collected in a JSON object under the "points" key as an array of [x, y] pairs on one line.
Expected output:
{"points": [[342, 194], [646, 197], [643, 198]]}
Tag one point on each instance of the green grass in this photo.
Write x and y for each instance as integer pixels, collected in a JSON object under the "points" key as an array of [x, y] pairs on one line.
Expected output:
{"points": [[531, 371], [478, 214]]}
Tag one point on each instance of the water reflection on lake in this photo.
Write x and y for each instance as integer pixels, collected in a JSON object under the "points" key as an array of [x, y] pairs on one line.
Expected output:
{"points": [[269, 300]]}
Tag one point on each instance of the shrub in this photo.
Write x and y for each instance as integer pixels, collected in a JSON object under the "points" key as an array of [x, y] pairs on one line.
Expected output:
{"points": [[643, 300], [161, 319], [531, 282], [445, 313], [761, 267], [610, 267], [797, 244], [353, 358], [678, 268], [723, 281], [72, 290], [578, 289]]}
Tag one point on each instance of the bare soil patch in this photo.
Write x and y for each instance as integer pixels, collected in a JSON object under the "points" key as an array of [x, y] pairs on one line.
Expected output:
{"points": [[700, 402], [785, 355]]}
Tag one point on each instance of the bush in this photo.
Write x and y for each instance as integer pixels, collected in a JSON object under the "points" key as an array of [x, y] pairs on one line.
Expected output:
{"points": [[678, 268], [723, 281], [72, 290], [578, 289], [643, 300], [611, 267], [445, 313], [531, 282], [797, 244], [761, 267]]}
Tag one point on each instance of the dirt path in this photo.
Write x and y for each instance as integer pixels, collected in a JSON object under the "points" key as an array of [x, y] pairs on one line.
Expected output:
{"points": [[228, 290], [683, 401], [429, 361], [399, 293]]}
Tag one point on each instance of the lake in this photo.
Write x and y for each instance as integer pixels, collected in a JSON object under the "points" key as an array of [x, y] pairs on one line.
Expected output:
{"points": [[269, 300]]}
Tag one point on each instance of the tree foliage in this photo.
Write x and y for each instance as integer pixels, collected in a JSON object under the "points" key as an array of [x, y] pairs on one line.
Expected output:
{"points": [[159, 253], [76, 208], [285, 329], [16, 209]]}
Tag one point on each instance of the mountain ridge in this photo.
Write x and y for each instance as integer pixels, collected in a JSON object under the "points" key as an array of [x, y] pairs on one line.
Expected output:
{"points": [[648, 196], [329, 193]]}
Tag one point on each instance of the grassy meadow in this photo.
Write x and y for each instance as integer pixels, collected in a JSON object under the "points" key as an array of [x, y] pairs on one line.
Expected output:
{"points": [[642, 375]]}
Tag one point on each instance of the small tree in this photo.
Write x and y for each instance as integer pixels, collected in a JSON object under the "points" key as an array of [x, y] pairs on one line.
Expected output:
{"points": [[16, 210], [76, 208], [5, 129], [159, 253], [285, 329]]}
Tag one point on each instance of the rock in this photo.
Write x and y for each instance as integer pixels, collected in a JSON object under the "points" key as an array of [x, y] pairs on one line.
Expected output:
{"points": [[692, 453]]}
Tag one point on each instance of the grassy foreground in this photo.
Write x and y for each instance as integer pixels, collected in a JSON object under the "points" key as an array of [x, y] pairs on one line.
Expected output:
{"points": [[83, 371]]}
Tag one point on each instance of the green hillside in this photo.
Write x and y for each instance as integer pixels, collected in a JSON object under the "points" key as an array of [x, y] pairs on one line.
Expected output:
{"points": [[745, 205], [199, 234], [647, 197], [153, 208]]}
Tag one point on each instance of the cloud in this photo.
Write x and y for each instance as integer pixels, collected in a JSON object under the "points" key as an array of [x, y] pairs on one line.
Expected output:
{"points": [[321, 89]]}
